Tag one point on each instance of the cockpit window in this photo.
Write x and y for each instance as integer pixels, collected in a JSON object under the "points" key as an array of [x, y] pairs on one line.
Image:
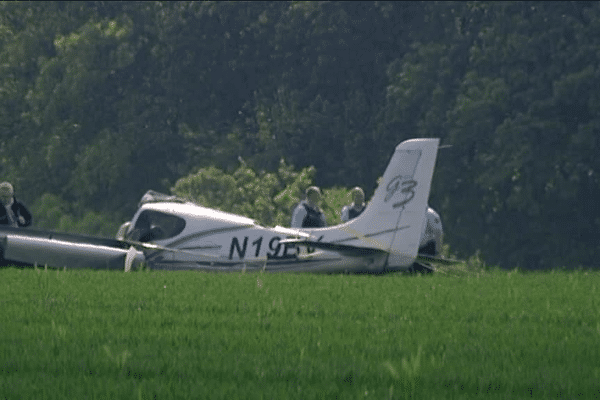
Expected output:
{"points": [[155, 225]]}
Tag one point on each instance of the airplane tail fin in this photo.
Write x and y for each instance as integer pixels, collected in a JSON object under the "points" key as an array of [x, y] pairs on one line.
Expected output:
{"points": [[394, 216]]}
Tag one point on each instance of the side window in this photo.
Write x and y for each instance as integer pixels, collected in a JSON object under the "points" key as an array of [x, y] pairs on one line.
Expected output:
{"points": [[154, 225]]}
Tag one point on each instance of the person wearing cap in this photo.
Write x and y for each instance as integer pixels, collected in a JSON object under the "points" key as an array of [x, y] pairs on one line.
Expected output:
{"points": [[13, 212], [357, 207], [307, 213]]}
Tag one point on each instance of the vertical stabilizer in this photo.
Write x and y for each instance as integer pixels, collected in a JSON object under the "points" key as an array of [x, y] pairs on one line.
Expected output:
{"points": [[394, 217]]}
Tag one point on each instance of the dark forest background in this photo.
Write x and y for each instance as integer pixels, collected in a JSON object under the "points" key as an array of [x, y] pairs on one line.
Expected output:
{"points": [[101, 101]]}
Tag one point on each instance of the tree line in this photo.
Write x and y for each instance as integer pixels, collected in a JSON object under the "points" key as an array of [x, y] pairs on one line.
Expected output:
{"points": [[101, 101]]}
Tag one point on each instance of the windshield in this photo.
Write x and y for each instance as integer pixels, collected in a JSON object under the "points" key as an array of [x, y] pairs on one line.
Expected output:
{"points": [[155, 225]]}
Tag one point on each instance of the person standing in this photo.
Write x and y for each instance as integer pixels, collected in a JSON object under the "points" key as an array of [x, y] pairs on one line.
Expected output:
{"points": [[357, 207], [307, 213], [13, 212]]}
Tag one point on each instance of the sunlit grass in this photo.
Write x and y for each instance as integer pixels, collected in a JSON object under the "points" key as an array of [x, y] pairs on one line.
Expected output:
{"points": [[463, 332]]}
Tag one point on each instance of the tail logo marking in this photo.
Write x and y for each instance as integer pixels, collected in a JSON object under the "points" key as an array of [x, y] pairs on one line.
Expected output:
{"points": [[407, 190], [404, 181]]}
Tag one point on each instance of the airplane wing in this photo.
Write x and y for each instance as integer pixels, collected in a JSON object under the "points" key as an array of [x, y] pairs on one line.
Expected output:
{"points": [[39, 247], [71, 237], [55, 249]]}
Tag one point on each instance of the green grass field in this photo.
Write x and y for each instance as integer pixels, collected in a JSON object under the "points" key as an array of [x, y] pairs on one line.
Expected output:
{"points": [[183, 335]]}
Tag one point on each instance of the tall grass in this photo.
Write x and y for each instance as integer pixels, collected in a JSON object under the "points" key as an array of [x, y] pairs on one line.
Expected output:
{"points": [[457, 334]]}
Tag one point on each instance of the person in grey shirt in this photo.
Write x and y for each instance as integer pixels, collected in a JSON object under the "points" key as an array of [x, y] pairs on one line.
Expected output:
{"points": [[357, 207], [307, 213]]}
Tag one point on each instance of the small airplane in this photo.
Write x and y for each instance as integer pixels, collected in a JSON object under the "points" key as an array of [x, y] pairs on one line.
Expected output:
{"points": [[171, 233]]}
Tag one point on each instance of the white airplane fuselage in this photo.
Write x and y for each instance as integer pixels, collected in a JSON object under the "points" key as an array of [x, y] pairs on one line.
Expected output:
{"points": [[219, 241], [386, 236]]}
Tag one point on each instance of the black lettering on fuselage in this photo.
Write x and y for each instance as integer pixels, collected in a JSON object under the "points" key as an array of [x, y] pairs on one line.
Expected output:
{"points": [[285, 250], [275, 250], [274, 246], [235, 244], [257, 243], [280, 251]]}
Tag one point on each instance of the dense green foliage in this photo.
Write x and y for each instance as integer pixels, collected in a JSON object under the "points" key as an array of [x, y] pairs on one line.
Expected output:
{"points": [[101, 101], [469, 334], [270, 198]]}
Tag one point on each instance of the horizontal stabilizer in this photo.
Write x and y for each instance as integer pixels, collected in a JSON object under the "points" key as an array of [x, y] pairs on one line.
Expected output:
{"points": [[437, 260], [343, 249]]}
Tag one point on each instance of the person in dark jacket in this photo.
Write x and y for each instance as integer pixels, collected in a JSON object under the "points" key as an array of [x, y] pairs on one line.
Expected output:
{"points": [[13, 212], [357, 207], [307, 213]]}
